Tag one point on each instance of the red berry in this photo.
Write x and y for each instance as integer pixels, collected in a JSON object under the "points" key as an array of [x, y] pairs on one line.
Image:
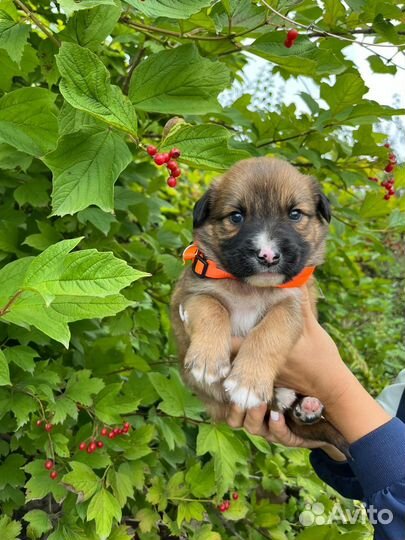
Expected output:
{"points": [[387, 197], [175, 153], [39, 423], [387, 145], [222, 507], [392, 158], [373, 179], [82, 446], [292, 34], [54, 475], [116, 431], [160, 159], [92, 446], [176, 172], [288, 43], [48, 464], [235, 496], [127, 426], [48, 427], [171, 182], [100, 444], [104, 432], [171, 165], [391, 192], [152, 150], [389, 168], [111, 435], [227, 505]]}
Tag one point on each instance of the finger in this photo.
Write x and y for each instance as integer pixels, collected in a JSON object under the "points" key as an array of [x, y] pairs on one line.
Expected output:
{"points": [[280, 432], [235, 417], [254, 420]]}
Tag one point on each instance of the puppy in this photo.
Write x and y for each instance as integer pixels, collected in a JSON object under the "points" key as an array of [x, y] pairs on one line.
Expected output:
{"points": [[257, 228]]}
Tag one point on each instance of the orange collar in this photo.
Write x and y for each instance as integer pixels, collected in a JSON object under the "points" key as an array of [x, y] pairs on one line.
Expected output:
{"points": [[204, 267]]}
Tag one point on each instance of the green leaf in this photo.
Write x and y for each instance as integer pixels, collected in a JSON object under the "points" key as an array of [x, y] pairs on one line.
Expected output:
{"points": [[121, 484], [177, 400], [10, 530], [81, 480], [28, 121], [34, 192], [205, 146], [201, 480], [348, 89], [99, 219], [148, 519], [110, 405], [4, 371], [86, 86], [228, 452], [81, 386], [22, 356], [11, 473], [379, 66], [90, 27], [22, 406], [38, 523], [374, 206], [40, 484], [178, 81], [187, 511], [139, 442], [86, 273], [103, 508], [13, 36], [62, 408], [85, 167], [172, 9], [70, 6], [10, 158]]}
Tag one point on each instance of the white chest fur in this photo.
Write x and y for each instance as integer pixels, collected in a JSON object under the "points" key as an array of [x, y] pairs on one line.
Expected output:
{"points": [[246, 311]]}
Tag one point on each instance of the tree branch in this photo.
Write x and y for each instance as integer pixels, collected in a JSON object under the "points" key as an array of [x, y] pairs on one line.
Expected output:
{"points": [[37, 22]]}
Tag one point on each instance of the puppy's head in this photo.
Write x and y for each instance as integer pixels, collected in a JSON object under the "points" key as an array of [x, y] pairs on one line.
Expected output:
{"points": [[263, 221]]}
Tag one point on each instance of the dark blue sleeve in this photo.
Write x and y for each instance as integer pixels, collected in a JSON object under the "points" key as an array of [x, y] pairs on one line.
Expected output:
{"points": [[379, 465], [375, 474]]}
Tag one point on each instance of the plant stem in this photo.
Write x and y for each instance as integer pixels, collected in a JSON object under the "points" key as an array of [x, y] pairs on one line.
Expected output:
{"points": [[13, 299], [37, 22]]}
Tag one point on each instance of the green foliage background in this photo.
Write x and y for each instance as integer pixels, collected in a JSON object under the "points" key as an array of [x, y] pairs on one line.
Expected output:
{"points": [[90, 244]]}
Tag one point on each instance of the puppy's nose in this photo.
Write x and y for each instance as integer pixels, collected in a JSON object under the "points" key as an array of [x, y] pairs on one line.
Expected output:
{"points": [[268, 256]]}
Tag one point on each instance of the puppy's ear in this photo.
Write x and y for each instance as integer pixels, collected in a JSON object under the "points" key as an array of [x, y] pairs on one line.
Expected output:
{"points": [[323, 208], [201, 210]]}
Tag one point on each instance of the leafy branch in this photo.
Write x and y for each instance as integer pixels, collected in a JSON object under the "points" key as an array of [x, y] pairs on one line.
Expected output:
{"points": [[37, 22]]}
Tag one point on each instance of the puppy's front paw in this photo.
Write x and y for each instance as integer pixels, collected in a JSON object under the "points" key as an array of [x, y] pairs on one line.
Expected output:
{"points": [[208, 363], [308, 410], [247, 390]]}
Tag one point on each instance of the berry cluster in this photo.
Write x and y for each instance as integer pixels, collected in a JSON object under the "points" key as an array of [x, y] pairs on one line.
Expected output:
{"points": [[105, 432], [168, 158], [226, 503], [47, 427], [291, 38], [389, 181], [49, 465]]}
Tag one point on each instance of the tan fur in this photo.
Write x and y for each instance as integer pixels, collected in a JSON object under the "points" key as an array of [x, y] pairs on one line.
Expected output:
{"points": [[268, 318]]}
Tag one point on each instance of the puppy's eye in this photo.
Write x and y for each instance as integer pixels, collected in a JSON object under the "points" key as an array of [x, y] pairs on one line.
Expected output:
{"points": [[295, 214], [236, 218]]}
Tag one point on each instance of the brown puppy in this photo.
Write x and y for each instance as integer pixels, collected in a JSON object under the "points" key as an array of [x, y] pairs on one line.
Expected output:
{"points": [[263, 222]]}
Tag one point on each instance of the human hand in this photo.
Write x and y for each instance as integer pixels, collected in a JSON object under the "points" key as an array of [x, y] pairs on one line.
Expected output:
{"points": [[275, 429]]}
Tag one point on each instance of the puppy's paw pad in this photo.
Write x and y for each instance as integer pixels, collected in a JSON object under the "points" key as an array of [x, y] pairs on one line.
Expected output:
{"points": [[243, 397], [284, 398], [308, 410]]}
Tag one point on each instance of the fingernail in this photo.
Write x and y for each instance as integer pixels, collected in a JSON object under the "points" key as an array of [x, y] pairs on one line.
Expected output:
{"points": [[274, 415]]}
